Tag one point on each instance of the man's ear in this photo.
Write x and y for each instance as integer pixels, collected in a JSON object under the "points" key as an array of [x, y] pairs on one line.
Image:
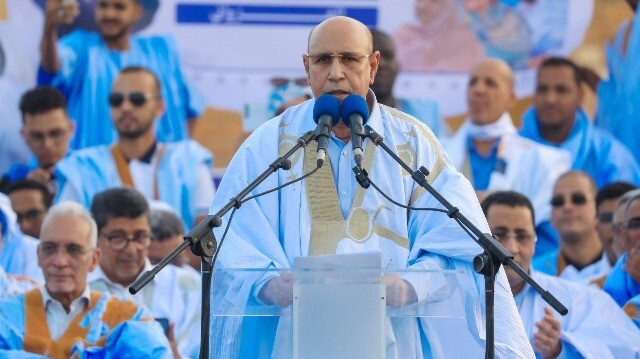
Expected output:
{"points": [[374, 62]]}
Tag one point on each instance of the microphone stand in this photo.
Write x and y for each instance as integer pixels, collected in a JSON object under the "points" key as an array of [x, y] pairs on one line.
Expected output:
{"points": [[487, 263], [203, 243]]}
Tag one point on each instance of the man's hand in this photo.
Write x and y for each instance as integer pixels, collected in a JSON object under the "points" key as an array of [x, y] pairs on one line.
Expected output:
{"points": [[172, 341], [58, 13], [399, 291], [547, 338], [41, 175], [278, 291], [632, 263]]}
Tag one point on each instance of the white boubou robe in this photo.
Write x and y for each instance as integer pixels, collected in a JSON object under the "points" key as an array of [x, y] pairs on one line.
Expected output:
{"points": [[304, 219], [595, 327], [530, 168]]}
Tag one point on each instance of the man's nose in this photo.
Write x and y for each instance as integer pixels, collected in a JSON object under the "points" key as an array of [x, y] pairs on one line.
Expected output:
{"points": [[336, 70], [510, 245]]}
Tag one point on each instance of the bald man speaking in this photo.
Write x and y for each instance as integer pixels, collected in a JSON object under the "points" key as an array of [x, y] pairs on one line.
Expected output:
{"points": [[328, 213], [489, 152]]}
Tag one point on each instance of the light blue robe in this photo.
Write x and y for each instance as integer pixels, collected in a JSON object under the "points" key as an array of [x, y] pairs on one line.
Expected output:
{"points": [[594, 151], [18, 252], [425, 110], [619, 284], [12, 284], [88, 67], [548, 264], [618, 97], [272, 230], [93, 170], [132, 339], [595, 326]]}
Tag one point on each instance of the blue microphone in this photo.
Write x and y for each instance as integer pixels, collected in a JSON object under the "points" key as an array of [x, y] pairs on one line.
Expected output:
{"points": [[355, 114], [326, 113]]}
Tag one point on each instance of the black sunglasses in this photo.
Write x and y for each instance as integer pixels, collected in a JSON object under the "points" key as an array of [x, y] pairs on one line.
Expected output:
{"points": [[137, 99], [576, 198]]}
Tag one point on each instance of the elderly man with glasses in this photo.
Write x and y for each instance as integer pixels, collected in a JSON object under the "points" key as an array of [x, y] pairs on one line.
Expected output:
{"points": [[595, 326], [178, 173], [65, 317], [124, 236], [580, 257]]}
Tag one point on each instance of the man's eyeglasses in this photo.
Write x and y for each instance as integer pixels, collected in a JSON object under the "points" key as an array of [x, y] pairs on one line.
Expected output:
{"points": [[74, 251], [632, 224], [348, 59], [120, 240], [520, 237], [56, 135], [577, 199], [137, 99], [30, 215]]}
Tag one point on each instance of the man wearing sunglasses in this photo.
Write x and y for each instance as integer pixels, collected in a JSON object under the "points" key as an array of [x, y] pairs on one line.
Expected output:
{"points": [[124, 237], [623, 283], [178, 173], [31, 201], [580, 257], [83, 65], [595, 326], [47, 131], [557, 119]]}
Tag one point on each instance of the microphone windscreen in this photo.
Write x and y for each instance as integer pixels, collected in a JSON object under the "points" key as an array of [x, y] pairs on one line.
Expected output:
{"points": [[354, 105], [327, 105]]}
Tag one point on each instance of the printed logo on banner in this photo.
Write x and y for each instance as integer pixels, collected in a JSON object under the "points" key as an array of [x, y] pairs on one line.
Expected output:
{"points": [[270, 15]]}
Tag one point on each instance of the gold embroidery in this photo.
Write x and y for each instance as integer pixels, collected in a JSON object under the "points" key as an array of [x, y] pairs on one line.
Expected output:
{"points": [[440, 162], [328, 227], [408, 155], [4, 14]]}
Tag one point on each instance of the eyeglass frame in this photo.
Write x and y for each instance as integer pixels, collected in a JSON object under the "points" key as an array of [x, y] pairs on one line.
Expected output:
{"points": [[531, 237], [618, 227], [48, 254], [127, 96], [577, 199], [339, 56], [56, 135], [127, 238]]}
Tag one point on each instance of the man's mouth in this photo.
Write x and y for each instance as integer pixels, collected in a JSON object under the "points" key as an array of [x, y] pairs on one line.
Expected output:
{"points": [[338, 92]]}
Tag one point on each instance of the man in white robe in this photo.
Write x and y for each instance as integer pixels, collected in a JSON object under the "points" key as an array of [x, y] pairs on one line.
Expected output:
{"points": [[328, 213], [489, 152], [595, 326], [122, 216], [178, 173]]}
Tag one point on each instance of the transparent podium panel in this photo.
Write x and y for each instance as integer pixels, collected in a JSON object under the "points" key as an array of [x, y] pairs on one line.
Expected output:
{"points": [[339, 313]]}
